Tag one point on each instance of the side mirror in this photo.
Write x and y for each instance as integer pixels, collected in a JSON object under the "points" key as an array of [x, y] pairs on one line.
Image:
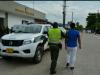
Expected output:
{"points": [[45, 32], [42, 37], [11, 31]]}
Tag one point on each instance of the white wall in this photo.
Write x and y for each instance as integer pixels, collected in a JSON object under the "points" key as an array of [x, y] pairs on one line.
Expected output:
{"points": [[2, 14], [17, 19]]}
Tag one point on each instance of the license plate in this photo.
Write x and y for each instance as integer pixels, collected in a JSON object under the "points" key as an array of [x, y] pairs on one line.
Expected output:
{"points": [[9, 50]]}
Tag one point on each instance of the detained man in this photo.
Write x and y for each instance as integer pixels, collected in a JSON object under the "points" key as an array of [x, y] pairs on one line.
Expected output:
{"points": [[72, 36]]}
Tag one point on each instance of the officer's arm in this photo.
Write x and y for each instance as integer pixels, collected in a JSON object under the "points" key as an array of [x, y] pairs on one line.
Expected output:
{"points": [[62, 35], [66, 37], [47, 34], [44, 40]]}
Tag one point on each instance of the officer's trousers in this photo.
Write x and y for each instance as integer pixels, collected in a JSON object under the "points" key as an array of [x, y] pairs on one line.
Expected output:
{"points": [[71, 55], [54, 51]]}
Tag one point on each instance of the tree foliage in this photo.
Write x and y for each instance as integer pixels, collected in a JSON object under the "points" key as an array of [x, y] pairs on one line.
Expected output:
{"points": [[93, 21], [79, 27]]}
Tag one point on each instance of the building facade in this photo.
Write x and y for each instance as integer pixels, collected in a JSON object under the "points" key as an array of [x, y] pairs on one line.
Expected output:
{"points": [[13, 13]]}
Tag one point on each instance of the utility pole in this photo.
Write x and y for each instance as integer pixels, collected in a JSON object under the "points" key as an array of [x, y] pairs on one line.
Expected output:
{"points": [[64, 12], [72, 16], [33, 4]]}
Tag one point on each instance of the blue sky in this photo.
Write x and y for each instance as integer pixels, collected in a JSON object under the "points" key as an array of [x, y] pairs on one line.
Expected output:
{"points": [[53, 9]]}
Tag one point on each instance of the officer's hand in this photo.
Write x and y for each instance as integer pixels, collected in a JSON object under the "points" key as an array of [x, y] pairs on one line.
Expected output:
{"points": [[65, 47], [80, 47]]}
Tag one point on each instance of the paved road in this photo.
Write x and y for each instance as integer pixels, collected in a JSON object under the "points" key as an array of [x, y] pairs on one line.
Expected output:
{"points": [[88, 61]]}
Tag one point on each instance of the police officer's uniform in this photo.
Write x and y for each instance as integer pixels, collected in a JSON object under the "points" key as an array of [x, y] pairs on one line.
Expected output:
{"points": [[54, 36]]}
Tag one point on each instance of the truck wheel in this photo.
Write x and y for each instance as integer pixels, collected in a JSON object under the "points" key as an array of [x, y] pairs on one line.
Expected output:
{"points": [[38, 54]]}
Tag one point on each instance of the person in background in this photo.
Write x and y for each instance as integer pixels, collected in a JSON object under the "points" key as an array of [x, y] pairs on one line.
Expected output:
{"points": [[71, 38]]}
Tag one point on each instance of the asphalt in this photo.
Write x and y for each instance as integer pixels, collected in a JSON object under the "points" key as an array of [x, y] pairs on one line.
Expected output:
{"points": [[87, 63]]}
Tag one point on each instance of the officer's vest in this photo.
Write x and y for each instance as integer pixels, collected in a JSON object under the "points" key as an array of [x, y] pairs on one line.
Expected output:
{"points": [[54, 35]]}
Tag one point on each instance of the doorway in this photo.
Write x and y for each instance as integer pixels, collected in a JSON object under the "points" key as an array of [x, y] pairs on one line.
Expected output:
{"points": [[2, 28]]}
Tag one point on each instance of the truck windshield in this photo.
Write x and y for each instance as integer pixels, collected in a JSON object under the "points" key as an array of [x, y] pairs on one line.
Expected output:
{"points": [[27, 29]]}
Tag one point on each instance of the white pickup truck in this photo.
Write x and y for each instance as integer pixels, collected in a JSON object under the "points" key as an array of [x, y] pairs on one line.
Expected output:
{"points": [[25, 41]]}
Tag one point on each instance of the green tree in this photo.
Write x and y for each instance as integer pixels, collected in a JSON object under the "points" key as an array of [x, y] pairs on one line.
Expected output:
{"points": [[97, 25], [92, 20], [79, 27]]}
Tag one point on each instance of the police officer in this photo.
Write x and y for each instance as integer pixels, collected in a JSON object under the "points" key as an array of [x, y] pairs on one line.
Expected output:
{"points": [[54, 37]]}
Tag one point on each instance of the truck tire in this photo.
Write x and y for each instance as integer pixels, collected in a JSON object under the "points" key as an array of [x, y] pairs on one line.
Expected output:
{"points": [[38, 54]]}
